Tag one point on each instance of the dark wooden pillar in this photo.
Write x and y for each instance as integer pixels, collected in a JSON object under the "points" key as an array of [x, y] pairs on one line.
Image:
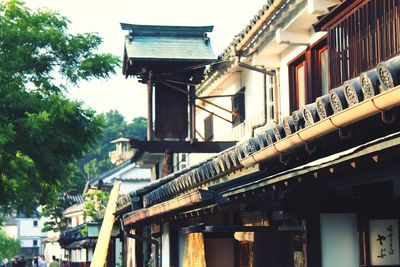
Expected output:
{"points": [[168, 163], [150, 107], [139, 248], [173, 245], [124, 249], [192, 113], [313, 239]]}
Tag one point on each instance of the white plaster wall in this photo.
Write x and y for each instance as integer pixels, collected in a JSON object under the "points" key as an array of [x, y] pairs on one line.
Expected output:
{"points": [[73, 255], [52, 249], [339, 240], [165, 250], [81, 220], [26, 227], [253, 81], [136, 173], [74, 221], [127, 187]]}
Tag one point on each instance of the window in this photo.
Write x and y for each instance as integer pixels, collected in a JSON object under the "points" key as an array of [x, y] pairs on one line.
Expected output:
{"points": [[271, 83], [208, 128], [238, 107], [309, 75], [35, 223], [35, 243], [320, 68], [361, 36], [298, 79]]}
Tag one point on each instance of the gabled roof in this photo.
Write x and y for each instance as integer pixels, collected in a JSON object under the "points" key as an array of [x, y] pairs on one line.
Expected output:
{"points": [[117, 171], [109, 172], [178, 43]]}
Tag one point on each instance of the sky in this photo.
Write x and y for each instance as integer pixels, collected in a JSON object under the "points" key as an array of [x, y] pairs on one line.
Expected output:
{"points": [[104, 17]]}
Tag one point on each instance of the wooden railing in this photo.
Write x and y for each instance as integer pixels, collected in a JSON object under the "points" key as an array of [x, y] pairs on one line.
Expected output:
{"points": [[362, 38]]}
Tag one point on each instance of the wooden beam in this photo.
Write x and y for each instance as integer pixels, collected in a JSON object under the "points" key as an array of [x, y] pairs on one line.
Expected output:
{"points": [[181, 146]]}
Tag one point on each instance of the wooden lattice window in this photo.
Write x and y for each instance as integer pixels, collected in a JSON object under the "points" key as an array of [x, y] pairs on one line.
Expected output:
{"points": [[361, 37]]}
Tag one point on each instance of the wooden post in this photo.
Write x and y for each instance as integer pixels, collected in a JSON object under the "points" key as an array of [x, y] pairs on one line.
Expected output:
{"points": [[150, 107], [103, 240], [313, 239], [168, 163], [192, 113]]}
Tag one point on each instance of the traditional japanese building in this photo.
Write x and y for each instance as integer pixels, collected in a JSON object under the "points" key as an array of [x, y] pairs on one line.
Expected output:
{"points": [[311, 92]]}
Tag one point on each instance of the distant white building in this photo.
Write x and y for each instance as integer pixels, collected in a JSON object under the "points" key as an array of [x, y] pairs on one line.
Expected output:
{"points": [[28, 230]]}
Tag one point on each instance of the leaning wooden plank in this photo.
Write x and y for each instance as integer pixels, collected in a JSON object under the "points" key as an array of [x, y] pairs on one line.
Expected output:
{"points": [[100, 252]]}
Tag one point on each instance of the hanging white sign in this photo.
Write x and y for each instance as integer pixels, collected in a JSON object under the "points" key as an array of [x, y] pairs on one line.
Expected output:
{"points": [[384, 242]]}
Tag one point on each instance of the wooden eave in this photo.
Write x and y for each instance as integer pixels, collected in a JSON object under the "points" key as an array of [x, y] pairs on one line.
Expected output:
{"points": [[198, 197], [238, 228], [371, 152]]}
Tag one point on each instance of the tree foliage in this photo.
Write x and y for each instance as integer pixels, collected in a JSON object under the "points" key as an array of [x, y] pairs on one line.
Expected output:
{"points": [[41, 131], [95, 203], [54, 210], [9, 247]]}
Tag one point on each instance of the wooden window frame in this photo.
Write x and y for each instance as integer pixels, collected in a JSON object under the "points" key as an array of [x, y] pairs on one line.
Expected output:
{"points": [[294, 65], [316, 50], [241, 94], [311, 60]]}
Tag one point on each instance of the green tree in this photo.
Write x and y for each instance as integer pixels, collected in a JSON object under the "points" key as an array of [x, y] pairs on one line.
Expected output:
{"points": [[41, 131], [95, 203], [9, 247], [54, 210], [137, 129]]}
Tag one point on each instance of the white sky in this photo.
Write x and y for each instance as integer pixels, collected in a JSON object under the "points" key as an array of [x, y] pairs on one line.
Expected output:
{"points": [[103, 16]]}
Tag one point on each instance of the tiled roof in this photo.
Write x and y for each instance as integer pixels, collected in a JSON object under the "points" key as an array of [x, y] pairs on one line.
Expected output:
{"points": [[120, 169], [168, 42], [75, 198], [110, 172], [261, 29], [217, 70], [240, 36]]}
